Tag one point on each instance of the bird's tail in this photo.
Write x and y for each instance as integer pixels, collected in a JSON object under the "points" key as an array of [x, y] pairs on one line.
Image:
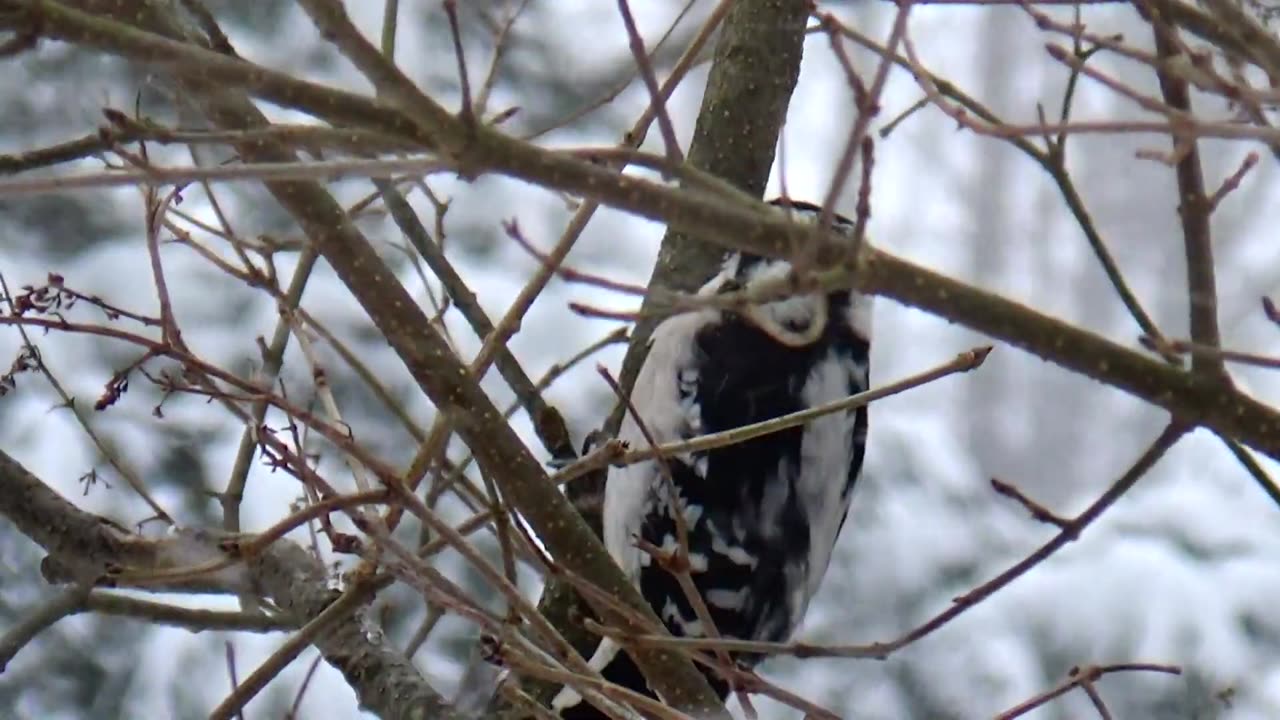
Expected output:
{"points": [[616, 666]]}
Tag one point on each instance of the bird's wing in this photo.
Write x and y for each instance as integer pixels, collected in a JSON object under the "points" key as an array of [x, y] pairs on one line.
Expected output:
{"points": [[665, 398]]}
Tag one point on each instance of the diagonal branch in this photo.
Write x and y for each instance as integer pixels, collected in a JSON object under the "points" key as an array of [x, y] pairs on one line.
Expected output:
{"points": [[66, 603], [1083, 677], [1167, 439], [1070, 531], [1225, 411], [430, 361], [962, 363], [87, 545], [548, 423], [272, 363], [742, 113], [1190, 398], [657, 104]]}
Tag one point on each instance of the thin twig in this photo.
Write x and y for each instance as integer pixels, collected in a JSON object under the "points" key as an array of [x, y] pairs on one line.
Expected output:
{"points": [[1081, 676], [66, 602], [154, 207], [548, 423], [495, 341], [868, 107], [1052, 160], [759, 647], [271, 667], [466, 112], [1233, 181], [1254, 468], [959, 605], [501, 39], [656, 100], [229, 652], [1069, 533], [675, 561], [528, 661], [1236, 356], [491, 575], [1038, 511], [189, 619], [390, 23], [315, 663], [964, 362], [320, 170], [362, 370], [131, 478], [1194, 208], [691, 56]]}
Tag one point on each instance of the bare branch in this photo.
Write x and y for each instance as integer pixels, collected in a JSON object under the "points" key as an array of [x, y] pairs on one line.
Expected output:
{"points": [[86, 546], [1194, 207], [67, 602], [1038, 511], [964, 362], [1084, 677], [190, 619], [245, 691], [659, 106], [1069, 533]]}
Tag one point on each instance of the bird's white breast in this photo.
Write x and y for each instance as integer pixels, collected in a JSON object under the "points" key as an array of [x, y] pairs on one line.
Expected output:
{"points": [[668, 415]]}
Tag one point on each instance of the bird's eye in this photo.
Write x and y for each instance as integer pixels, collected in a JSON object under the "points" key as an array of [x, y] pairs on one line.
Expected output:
{"points": [[730, 285]]}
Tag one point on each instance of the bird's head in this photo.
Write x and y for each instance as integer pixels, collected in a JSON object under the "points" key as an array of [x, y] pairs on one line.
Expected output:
{"points": [[794, 319], [742, 270]]}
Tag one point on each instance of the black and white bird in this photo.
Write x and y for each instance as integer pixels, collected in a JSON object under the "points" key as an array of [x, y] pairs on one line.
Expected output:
{"points": [[762, 516]]}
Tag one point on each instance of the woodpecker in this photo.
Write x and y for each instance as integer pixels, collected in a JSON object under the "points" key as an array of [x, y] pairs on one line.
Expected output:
{"points": [[761, 516]]}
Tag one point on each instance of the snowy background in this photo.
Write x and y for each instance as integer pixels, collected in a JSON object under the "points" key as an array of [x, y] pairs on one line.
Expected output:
{"points": [[1183, 570]]}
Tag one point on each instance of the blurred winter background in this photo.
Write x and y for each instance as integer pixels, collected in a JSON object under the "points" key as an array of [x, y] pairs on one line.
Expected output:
{"points": [[1183, 570]]}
